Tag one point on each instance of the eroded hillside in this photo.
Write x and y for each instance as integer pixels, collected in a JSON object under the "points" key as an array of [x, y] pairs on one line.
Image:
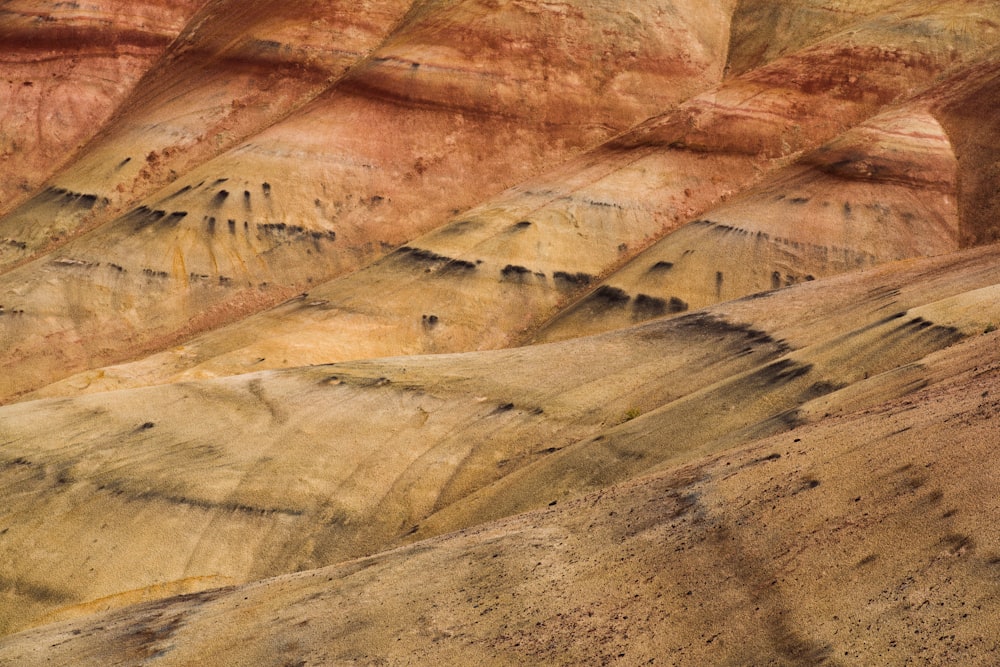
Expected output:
{"points": [[494, 275], [503, 332], [413, 133]]}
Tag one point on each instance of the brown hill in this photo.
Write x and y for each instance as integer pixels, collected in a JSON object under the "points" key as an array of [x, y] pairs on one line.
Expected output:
{"points": [[494, 274], [413, 133], [904, 184], [64, 69], [236, 479], [236, 69]]}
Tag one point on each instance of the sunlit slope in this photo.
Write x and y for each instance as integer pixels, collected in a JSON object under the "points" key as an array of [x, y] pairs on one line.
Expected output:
{"points": [[877, 353], [253, 476], [64, 68], [236, 68], [494, 274], [416, 133], [865, 539], [240, 478]]}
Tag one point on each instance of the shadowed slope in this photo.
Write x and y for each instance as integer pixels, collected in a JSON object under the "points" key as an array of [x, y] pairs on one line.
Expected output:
{"points": [[244, 477], [727, 559], [418, 132], [493, 275], [973, 128], [764, 30], [64, 69]]}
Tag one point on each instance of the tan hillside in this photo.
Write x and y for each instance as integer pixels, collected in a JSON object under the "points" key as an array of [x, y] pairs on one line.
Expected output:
{"points": [[733, 557], [247, 477]]}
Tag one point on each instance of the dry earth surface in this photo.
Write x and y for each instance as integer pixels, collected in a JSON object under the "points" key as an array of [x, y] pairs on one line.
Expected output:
{"points": [[499, 332]]}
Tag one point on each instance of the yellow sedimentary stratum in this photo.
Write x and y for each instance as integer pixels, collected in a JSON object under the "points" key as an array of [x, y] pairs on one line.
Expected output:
{"points": [[505, 332]]}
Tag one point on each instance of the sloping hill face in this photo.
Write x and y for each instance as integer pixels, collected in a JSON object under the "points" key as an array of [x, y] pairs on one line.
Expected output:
{"points": [[194, 484], [850, 541], [66, 66], [891, 188], [775, 218], [412, 134], [237, 68], [493, 275], [764, 31], [965, 118], [884, 191]]}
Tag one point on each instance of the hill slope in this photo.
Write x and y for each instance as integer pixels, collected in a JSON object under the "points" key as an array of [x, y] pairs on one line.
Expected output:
{"points": [[493, 275], [730, 558], [66, 67], [235, 479], [413, 133], [506, 332]]}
